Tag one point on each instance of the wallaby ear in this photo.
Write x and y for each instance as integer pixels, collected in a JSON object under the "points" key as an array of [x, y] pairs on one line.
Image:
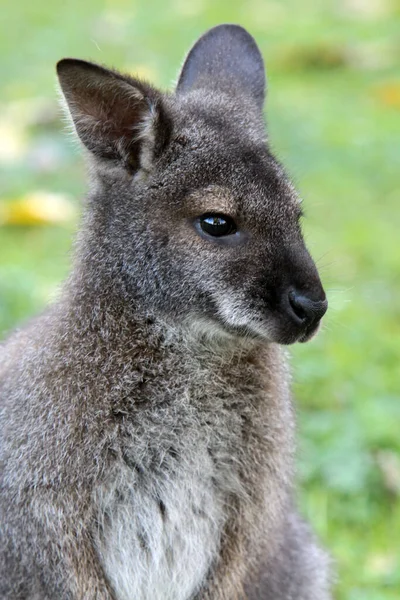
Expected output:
{"points": [[227, 58], [116, 117]]}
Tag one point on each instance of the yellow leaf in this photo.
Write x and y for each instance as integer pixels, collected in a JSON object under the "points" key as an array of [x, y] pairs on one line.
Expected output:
{"points": [[142, 72], [389, 94], [12, 142], [38, 208]]}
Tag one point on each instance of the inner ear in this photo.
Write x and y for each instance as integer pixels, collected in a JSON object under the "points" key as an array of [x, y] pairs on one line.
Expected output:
{"points": [[115, 116], [226, 58]]}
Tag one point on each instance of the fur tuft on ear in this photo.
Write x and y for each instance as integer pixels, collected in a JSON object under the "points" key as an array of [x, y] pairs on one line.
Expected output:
{"points": [[225, 58], [116, 117]]}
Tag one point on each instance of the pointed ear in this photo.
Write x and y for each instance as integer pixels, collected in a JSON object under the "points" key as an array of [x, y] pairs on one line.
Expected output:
{"points": [[226, 58], [115, 117]]}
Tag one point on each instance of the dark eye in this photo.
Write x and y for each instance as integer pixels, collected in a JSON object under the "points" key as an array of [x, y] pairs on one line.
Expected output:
{"points": [[217, 225]]}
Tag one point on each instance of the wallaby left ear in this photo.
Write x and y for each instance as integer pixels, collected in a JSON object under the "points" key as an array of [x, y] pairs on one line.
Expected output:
{"points": [[115, 117], [225, 58]]}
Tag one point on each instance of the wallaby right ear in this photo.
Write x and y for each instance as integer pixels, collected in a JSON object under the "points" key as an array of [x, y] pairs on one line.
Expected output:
{"points": [[116, 117], [225, 58]]}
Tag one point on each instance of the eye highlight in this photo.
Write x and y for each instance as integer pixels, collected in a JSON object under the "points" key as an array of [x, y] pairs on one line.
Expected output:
{"points": [[217, 225]]}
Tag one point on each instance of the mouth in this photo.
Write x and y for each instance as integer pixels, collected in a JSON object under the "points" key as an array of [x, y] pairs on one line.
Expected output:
{"points": [[284, 336], [288, 335], [309, 333], [276, 328]]}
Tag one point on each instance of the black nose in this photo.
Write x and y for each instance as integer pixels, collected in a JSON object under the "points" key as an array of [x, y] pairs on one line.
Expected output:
{"points": [[305, 311]]}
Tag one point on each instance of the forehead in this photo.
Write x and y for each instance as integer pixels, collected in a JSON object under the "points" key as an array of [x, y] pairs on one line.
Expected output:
{"points": [[243, 201], [219, 198], [221, 160], [238, 179]]}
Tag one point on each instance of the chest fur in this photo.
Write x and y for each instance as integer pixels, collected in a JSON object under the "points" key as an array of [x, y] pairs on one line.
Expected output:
{"points": [[159, 531], [165, 502]]}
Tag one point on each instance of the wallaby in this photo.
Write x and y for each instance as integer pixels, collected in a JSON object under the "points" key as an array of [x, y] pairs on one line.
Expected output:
{"points": [[147, 426]]}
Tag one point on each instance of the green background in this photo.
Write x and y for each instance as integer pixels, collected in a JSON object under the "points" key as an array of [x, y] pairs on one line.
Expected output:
{"points": [[333, 113]]}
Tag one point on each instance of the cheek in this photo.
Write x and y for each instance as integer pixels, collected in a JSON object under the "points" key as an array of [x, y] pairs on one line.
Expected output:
{"points": [[244, 270], [213, 268]]}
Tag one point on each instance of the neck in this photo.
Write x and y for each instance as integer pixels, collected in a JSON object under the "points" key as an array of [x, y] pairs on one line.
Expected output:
{"points": [[97, 300]]}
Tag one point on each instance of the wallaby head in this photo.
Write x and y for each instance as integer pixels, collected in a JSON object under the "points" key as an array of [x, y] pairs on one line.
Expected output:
{"points": [[188, 210]]}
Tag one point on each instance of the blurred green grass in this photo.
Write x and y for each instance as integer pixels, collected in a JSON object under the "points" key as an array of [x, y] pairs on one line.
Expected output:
{"points": [[334, 119]]}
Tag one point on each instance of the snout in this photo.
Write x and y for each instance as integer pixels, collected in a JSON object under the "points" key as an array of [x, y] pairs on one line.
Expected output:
{"points": [[304, 311]]}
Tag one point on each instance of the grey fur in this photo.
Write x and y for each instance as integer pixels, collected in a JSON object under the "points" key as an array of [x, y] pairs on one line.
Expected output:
{"points": [[146, 418]]}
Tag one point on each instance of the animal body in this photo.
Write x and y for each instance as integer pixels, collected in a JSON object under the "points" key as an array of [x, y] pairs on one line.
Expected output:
{"points": [[147, 426]]}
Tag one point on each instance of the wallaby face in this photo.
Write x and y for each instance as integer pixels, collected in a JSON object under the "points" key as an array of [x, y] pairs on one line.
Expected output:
{"points": [[140, 459], [200, 218]]}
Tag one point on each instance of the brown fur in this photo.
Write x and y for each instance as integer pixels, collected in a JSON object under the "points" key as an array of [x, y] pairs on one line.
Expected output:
{"points": [[146, 418]]}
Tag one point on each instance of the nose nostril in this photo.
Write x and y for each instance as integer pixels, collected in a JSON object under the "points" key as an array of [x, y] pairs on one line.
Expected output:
{"points": [[304, 310], [297, 307]]}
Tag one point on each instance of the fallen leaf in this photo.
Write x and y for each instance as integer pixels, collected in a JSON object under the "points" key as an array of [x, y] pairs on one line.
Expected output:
{"points": [[12, 142], [389, 94], [38, 208], [32, 112], [389, 465], [381, 565], [318, 57], [142, 72], [369, 10]]}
